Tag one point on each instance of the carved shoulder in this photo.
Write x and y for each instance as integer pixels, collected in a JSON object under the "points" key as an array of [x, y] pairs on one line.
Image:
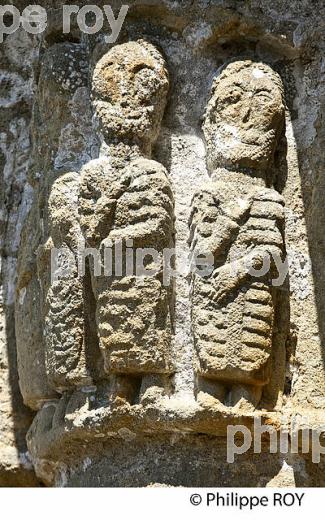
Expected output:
{"points": [[101, 185], [149, 187], [153, 173], [63, 209], [95, 179], [65, 191]]}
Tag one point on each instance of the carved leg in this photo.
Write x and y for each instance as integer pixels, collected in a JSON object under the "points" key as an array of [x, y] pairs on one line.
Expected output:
{"points": [[44, 419], [60, 411], [124, 389], [245, 397], [211, 388], [65, 359], [154, 386]]}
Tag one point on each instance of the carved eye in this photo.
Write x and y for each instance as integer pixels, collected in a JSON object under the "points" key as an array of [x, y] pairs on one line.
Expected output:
{"points": [[145, 76], [109, 67], [230, 98], [233, 97], [141, 67], [264, 97]]}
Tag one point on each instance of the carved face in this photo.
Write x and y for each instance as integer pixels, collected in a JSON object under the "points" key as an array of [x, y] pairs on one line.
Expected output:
{"points": [[244, 117], [130, 85]]}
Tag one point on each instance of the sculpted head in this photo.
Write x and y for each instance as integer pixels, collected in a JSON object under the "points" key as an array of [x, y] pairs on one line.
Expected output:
{"points": [[129, 89], [244, 117]]}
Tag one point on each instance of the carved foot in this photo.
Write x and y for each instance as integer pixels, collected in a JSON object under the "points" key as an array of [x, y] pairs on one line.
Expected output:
{"points": [[245, 397], [209, 388], [124, 389], [153, 387]]}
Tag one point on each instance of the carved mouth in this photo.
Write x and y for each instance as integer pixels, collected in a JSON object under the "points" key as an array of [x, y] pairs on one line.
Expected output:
{"points": [[250, 143]]}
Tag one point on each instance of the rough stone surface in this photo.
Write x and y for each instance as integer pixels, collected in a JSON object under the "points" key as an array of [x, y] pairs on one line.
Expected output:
{"points": [[154, 139], [17, 54]]}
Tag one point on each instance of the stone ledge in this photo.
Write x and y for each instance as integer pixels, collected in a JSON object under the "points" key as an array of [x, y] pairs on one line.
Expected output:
{"points": [[70, 429], [66, 430]]}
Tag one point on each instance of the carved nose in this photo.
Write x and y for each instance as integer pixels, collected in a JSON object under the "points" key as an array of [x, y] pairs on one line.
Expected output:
{"points": [[246, 113]]}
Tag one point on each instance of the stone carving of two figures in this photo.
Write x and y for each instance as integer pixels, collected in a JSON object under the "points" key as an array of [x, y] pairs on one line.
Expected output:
{"points": [[125, 195]]}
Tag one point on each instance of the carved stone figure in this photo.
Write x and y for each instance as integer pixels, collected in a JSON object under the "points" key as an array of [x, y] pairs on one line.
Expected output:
{"points": [[69, 354], [239, 218], [50, 345], [126, 200]]}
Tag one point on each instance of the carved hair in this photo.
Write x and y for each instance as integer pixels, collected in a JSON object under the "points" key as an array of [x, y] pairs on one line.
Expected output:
{"points": [[238, 66]]}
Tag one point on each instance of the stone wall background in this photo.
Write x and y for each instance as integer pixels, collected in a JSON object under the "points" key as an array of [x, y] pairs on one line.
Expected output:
{"points": [[17, 55], [197, 38]]}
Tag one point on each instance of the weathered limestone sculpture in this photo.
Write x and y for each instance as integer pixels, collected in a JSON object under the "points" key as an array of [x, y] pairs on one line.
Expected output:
{"points": [[60, 142], [121, 196], [65, 306], [239, 218], [126, 200]]}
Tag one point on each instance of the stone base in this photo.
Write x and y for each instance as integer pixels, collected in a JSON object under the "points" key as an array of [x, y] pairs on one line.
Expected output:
{"points": [[182, 460], [165, 441]]}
